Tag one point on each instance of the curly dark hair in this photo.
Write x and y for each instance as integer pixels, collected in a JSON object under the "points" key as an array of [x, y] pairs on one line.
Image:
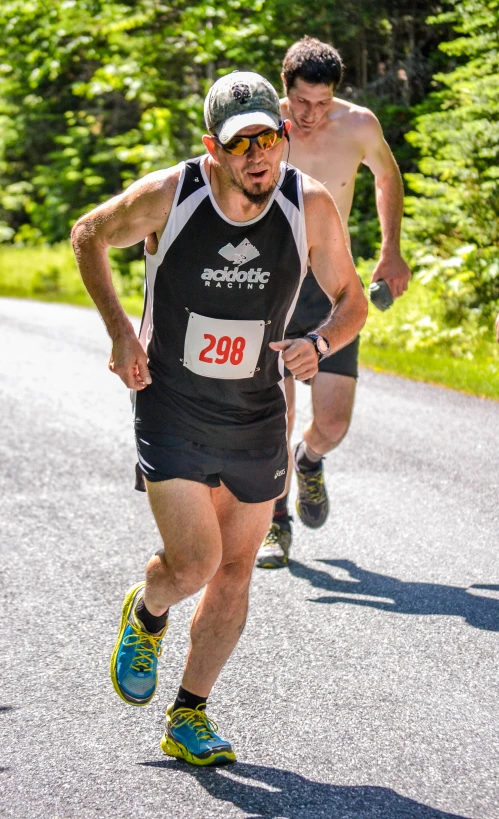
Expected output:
{"points": [[313, 62]]}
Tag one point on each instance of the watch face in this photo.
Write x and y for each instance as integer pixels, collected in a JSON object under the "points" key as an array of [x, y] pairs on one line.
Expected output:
{"points": [[322, 345]]}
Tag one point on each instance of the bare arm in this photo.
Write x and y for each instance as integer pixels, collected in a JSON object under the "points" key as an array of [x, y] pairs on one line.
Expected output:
{"points": [[335, 272], [143, 209], [389, 202]]}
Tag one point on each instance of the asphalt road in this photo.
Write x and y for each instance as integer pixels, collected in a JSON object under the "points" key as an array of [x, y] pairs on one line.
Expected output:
{"points": [[365, 685]]}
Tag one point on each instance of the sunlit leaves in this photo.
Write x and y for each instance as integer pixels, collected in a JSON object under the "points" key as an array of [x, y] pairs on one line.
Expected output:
{"points": [[457, 202], [102, 92]]}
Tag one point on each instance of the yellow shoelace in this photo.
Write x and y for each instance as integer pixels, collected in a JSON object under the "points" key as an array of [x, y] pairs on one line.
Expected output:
{"points": [[272, 537], [204, 727], [148, 646], [312, 486]]}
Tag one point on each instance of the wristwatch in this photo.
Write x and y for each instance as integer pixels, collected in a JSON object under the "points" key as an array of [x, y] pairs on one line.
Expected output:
{"points": [[321, 345]]}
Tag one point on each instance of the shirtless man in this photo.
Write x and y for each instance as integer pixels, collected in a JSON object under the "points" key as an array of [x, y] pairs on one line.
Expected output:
{"points": [[329, 139]]}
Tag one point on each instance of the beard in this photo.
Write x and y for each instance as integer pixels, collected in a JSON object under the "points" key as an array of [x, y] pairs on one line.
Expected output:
{"points": [[258, 199]]}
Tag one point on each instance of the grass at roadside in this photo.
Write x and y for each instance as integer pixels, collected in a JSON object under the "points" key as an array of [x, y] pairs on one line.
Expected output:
{"points": [[410, 339], [50, 274], [477, 377], [45, 273]]}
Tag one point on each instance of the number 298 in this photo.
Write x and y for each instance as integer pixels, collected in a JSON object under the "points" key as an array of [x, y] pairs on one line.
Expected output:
{"points": [[225, 349]]}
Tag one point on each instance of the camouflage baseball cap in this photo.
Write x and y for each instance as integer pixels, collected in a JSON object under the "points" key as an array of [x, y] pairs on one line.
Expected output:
{"points": [[238, 100]]}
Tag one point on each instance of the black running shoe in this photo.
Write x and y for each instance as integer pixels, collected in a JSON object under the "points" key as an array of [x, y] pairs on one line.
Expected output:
{"points": [[312, 502]]}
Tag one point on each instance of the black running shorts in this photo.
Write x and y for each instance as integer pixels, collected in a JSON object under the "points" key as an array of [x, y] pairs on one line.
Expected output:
{"points": [[252, 475], [312, 309]]}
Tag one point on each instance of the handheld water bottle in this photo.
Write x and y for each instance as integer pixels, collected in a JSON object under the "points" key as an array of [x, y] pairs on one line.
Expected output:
{"points": [[380, 295]]}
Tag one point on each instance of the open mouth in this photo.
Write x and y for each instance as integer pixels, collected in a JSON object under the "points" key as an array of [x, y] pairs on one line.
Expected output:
{"points": [[257, 176]]}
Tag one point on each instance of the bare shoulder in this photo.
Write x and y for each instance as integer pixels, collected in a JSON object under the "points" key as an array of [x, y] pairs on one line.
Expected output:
{"points": [[143, 208], [356, 118], [158, 184]]}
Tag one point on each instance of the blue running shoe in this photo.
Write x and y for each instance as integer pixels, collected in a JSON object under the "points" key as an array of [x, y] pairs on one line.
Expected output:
{"points": [[190, 735], [134, 661]]}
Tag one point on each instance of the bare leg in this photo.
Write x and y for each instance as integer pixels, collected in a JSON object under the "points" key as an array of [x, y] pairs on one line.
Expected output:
{"points": [[275, 547], [332, 404], [192, 543], [220, 616], [209, 538]]}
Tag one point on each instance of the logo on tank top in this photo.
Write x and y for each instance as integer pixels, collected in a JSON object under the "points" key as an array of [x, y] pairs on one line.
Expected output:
{"points": [[244, 252], [234, 277]]}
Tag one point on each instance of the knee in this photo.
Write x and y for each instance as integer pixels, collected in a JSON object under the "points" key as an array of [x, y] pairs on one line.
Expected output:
{"points": [[187, 580], [186, 577], [333, 429], [235, 577]]}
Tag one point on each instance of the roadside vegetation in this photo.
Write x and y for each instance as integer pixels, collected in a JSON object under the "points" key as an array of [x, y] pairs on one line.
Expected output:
{"points": [[413, 340], [49, 273]]}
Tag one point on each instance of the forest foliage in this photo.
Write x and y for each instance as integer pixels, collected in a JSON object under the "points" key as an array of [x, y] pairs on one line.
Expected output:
{"points": [[95, 93], [455, 207]]}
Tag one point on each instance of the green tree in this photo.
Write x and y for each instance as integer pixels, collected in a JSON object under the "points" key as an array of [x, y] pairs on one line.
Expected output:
{"points": [[96, 93], [454, 217]]}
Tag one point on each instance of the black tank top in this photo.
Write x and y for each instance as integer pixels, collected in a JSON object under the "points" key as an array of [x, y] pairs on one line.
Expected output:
{"points": [[217, 292]]}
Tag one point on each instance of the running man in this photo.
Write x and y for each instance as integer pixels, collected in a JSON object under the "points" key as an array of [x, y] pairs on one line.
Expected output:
{"points": [[227, 240], [330, 138]]}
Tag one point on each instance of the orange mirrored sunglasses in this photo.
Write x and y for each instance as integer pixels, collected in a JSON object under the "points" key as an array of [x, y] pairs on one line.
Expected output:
{"points": [[240, 145]]}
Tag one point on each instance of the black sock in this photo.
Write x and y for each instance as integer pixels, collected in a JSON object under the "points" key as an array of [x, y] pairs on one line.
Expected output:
{"points": [[281, 514], [303, 463], [151, 623], [187, 700], [281, 506]]}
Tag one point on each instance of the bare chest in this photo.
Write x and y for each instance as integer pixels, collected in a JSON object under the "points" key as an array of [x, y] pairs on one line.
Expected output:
{"points": [[333, 161]]}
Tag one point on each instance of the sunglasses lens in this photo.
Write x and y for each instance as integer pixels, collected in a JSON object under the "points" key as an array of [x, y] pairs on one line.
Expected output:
{"points": [[238, 146], [268, 139]]}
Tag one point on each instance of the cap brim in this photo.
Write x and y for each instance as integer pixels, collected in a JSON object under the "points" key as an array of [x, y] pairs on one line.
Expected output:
{"points": [[234, 124]]}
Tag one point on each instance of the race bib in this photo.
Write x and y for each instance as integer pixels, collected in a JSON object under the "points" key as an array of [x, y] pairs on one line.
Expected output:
{"points": [[220, 348]]}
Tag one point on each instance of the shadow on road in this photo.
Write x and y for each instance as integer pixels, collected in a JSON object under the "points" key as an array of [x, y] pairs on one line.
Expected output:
{"points": [[403, 597], [272, 792]]}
